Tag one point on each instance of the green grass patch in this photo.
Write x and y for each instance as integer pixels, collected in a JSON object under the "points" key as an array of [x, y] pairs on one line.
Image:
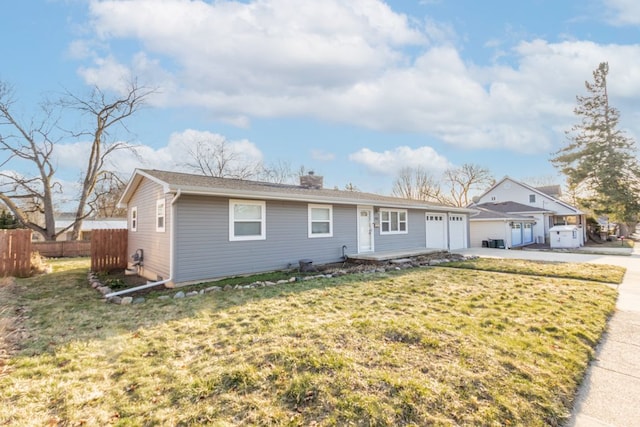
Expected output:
{"points": [[581, 271], [435, 346]]}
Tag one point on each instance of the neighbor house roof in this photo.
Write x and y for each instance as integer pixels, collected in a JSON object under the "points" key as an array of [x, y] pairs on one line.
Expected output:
{"points": [[484, 213], [543, 191], [511, 207], [184, 183]]}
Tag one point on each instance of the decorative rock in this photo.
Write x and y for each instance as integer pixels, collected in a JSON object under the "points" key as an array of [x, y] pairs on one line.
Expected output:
{"points": [[293, 279], [213, 289], [115, 300], [138, 300], [282, 282], [201, 292], [192, 293], [95, 284], [164, 297], [269, 283], [179, 295], [126, 300], [227, 288], [104, 290]]}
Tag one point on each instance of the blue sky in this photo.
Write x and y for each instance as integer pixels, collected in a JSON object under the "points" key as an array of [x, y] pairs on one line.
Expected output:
{"points": [[354, 90]]}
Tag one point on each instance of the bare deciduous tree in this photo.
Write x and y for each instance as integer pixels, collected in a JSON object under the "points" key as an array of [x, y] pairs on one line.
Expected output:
{"points": [[34, 143], [219, 159], [455, 187], [417, 184], [108, 190], [464, 180]]}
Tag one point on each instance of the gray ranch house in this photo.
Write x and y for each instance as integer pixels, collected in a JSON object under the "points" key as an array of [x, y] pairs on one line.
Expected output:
{"points": [[185, 228]]}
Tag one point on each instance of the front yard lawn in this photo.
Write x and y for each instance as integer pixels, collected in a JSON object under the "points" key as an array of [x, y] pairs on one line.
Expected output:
{"points": [[430, 346]]}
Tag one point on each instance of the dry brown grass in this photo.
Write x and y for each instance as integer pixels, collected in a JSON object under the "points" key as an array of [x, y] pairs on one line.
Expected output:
{"points": [[436, 346]]}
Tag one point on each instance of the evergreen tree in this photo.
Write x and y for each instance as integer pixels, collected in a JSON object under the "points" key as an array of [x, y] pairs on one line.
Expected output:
{"points": [[599, 160], [8, 221]]}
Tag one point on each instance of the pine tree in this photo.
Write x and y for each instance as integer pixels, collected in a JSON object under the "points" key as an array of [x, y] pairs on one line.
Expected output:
{"points": [[600, 161]]}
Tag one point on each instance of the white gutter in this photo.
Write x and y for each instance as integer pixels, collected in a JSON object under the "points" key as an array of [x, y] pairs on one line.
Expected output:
{"points": [[137, 288], [171, 256]]}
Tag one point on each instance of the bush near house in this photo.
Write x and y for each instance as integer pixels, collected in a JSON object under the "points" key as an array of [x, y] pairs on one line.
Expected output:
{"points": [[429, 346]]}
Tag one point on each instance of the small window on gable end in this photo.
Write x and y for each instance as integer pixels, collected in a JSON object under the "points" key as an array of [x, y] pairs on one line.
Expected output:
{"points": [[160, 215], [134, 218], [532, 198], [320, 221]]}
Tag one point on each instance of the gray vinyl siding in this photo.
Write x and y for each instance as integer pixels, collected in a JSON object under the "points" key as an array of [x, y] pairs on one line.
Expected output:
{"points": [[414, 239], [156, 245], [204, 251]]}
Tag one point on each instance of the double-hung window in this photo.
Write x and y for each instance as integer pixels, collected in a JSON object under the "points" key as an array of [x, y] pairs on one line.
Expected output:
{"points": [[134, 218], [393, 221], [247, 220], [160, 215], [320, 221]]}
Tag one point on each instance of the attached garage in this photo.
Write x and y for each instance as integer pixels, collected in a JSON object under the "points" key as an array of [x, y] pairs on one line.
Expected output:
{"points": [[457, 231], [436, 226]]}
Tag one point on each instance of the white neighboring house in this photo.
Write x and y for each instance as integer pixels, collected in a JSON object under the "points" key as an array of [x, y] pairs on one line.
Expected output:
{"points": [[521, 214], [88, 225]]}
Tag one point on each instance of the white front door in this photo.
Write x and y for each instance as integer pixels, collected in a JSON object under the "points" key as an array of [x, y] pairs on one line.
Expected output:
{"points": [[365, 230]]}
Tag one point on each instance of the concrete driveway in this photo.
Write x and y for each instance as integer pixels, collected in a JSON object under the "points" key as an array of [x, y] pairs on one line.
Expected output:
{"points": [[610, 392]]}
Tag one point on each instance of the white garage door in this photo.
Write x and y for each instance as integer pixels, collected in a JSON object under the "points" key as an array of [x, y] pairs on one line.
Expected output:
{"points": [[436, 230], [457, 231]]}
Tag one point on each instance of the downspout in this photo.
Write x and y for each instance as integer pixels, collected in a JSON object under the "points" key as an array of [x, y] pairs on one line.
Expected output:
{"points": [[171, 256]]}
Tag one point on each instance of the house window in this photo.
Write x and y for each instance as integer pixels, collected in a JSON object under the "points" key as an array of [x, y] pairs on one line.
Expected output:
{"points": [[160, 215], [247, 220], [532, 198], [134, 218], [393, 221], [320, 221]]}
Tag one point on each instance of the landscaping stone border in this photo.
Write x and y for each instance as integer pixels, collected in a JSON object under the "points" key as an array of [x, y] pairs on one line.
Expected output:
{"points": [[324, 272]]}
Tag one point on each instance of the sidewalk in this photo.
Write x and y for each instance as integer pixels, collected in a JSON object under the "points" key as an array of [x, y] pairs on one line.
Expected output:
{"points": [[610, 392]]}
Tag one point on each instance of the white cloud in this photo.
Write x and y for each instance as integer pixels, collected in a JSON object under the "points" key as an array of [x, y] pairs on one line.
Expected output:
{"points": [[174, 156], [356, 62], [623, 12], [390, 162]]}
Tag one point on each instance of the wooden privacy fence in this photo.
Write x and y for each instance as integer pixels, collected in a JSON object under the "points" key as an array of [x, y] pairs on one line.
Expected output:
{"points": [[108, 249], [67, 248], [15, 253]]}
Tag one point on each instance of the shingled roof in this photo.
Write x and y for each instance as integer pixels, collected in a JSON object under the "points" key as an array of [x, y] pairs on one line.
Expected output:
{"points": [[185, 183]]}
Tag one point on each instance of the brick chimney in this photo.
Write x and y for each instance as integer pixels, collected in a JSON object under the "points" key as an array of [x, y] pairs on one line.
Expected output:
{"points": [[311, 181]]}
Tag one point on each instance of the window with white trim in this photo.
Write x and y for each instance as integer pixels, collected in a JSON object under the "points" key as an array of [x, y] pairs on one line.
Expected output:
{"points": [[134, 218], [393, 221], [160, 215], [320, 220], [247, 220]]}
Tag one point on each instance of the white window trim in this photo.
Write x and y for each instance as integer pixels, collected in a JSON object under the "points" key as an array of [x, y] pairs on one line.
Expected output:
{"points": [[263, 221], [406, 221], [134, 218], [310, 221], [161, 214]]}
